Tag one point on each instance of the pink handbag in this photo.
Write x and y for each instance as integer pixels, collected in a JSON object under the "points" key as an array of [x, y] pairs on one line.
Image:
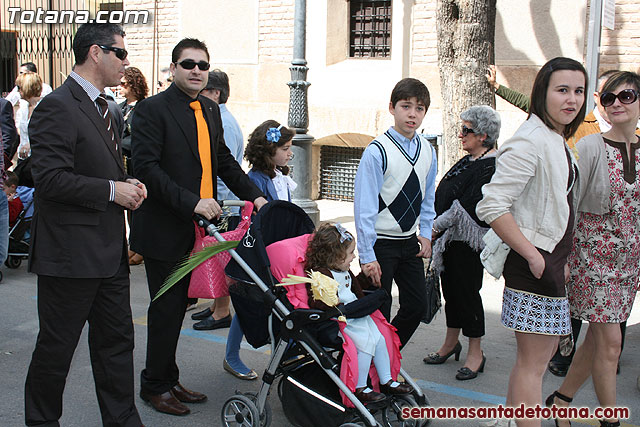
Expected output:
{"points": [[208, 279]]}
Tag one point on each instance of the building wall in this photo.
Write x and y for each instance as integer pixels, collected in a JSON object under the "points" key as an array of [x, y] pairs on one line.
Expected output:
{"points": [[620, 48], [252, 40]]}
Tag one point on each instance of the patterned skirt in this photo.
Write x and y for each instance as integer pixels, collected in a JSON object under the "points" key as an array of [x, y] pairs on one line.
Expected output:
{"points": [[527, 312]]}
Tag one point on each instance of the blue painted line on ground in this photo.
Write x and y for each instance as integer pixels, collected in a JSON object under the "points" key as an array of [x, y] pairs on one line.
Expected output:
{"points": [[461, 392], [425, 385], [208, 336]]}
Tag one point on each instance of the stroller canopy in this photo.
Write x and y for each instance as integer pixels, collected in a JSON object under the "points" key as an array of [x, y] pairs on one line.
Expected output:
{"points": [[277, 220]]}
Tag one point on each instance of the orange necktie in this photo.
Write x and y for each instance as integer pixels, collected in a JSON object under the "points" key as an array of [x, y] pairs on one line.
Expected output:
{"points": [[204, 148]]}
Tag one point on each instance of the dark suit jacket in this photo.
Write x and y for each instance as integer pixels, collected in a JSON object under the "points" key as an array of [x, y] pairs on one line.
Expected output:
{"points": [[166, 159], [77, 232], [8, 126]]}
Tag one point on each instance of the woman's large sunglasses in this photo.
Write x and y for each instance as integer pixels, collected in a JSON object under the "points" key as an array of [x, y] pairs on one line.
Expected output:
{"points": [[627, 96], [121, 53], [189, 64], [465, 130]]}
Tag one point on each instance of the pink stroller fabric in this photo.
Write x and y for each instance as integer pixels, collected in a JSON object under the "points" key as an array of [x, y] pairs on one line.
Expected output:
{"points": [[208, 280], [288, 257]]}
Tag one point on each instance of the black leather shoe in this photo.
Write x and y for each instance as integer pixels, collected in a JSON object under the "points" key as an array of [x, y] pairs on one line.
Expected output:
{"points": [[436, 359], [202, 314], [370, 397], [210, 323], [165, 402], [559, 369], [465, 373], [401, 388], [187, 396]]}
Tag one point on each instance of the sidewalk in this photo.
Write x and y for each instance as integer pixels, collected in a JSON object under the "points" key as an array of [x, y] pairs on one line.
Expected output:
{"points": [[200, 355]]}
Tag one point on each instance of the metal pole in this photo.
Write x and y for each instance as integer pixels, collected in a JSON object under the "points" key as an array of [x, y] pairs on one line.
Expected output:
{"points": [[299, 117], [593, 49]]}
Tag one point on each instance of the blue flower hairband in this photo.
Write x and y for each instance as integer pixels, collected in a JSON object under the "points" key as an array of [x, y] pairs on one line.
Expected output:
{"points": [[344, 234], [273, 134]]}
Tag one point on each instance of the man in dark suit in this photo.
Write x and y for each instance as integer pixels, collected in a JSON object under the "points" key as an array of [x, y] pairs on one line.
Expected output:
{"points": [[8, 126], [79, 250], [178, 151]]}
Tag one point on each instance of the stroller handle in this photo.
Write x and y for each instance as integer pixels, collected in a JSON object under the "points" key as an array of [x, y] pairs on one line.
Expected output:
{"points": [[224, 203], [209, 227]]}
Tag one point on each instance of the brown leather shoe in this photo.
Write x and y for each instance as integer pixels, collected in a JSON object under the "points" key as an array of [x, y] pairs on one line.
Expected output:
{"points": [[370, 397], [186, 395], [401, 388], [165, 402]]}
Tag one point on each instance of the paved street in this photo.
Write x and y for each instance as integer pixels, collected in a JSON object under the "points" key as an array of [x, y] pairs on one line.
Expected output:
{"points": [[201, 355]]}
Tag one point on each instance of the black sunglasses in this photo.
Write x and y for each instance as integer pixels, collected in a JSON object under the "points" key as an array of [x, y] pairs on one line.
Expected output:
{"points": [[121, 53], [627, 96], [465, 130], [189, 64]]}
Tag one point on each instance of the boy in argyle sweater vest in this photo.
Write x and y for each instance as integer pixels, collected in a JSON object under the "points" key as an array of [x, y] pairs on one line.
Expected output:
{"points": [[394, 196]]}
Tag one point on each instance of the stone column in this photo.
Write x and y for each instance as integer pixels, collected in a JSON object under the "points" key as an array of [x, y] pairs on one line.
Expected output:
{"points": [[299, 117]]}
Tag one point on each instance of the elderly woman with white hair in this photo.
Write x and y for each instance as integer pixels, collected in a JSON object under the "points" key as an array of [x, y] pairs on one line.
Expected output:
{"points": [[457, 237]]}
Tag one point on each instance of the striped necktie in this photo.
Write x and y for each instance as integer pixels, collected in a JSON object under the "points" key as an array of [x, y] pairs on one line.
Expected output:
{"points": [[101, 100], [204, 149]]}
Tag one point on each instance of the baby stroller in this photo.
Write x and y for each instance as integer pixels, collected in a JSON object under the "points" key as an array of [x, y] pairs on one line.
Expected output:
{"points": [[18, 247], [304, 343]]}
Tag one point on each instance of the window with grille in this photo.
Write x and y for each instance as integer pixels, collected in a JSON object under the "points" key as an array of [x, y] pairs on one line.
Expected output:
{"points": [[338, 171], [370, 29]]}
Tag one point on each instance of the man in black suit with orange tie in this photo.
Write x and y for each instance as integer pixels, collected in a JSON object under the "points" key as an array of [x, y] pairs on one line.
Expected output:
{"points": [[178, 152], [78, 246]]}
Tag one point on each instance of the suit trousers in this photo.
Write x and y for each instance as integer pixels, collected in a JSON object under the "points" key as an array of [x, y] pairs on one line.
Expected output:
{"points": [[461, 284], [399, 263], [64, 305], [164, 322]]}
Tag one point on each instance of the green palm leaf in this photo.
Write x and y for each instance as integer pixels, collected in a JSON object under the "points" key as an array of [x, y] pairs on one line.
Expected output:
{"points": [[190, 262]]}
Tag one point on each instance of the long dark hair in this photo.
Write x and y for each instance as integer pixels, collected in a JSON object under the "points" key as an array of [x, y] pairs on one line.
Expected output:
{"points": [[259, 151], [539, 92]]}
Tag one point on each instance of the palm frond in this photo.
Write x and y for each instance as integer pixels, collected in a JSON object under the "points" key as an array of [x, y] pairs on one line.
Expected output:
{"points": [[191, 261]]}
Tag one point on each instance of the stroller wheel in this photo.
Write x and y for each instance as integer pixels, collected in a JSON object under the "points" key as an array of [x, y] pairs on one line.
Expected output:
{"points": [[265, 416], [13, 262], [392, 415], [239, 410]]}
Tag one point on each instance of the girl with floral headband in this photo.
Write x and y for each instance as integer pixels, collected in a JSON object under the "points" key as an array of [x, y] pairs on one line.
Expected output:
{"points": [[330, 252], [268, 152]]}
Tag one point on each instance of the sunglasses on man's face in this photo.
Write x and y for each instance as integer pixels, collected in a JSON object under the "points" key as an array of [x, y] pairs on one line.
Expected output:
{"points": [[627, 96], [121, 53], [189, 64], [465, 130]]}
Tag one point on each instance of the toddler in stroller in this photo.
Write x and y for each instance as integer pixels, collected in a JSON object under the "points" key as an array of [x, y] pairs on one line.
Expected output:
{"points": [[311, 389], [330, 253]]}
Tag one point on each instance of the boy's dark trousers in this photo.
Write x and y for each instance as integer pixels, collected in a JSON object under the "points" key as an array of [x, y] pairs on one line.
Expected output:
{"points": [[398, 261]]}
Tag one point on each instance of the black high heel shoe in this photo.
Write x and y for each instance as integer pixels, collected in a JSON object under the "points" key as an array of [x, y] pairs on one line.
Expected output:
{"points": [[436, 359], [465, 373], [549, 401]]}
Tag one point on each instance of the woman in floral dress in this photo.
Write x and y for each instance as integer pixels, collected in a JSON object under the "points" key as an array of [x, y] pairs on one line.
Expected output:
{"points": [[605, 260]]}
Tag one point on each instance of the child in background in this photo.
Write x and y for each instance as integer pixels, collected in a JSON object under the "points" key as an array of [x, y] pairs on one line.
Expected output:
{"points": [[330, 252], [268, 151], [15, 204]]}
